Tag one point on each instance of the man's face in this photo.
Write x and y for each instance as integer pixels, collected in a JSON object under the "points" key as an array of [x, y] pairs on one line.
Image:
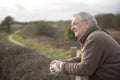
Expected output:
{"points": [[78, 27]]}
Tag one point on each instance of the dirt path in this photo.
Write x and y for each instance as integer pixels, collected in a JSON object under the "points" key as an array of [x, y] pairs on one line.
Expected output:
{"points": [[10, 37], [13, 41]]}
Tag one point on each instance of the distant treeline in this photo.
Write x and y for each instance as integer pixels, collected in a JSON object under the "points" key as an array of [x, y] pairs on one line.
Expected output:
{"points": [[104, 20], [108, 20]]}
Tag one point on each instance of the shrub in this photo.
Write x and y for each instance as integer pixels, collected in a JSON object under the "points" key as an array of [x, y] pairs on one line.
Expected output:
{"points": [[42, 28], [19, 63], [70, 34]]}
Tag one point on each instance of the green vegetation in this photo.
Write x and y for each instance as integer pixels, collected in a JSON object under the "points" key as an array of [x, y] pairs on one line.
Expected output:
{"points": [[5, 38], [41, 48], [43, 28], [70, 34], [109, 20]]}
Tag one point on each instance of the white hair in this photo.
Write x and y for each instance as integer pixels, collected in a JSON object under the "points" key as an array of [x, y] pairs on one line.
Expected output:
{"points": [[86, 16]]}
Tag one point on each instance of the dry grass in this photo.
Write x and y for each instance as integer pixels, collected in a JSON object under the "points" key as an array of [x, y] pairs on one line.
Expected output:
{"points": [[115, 34], [17, 63], [20, 63]]}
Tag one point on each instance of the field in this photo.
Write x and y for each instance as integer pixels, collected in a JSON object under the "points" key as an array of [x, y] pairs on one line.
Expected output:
{"points": [[22, 63], [26, 63]]}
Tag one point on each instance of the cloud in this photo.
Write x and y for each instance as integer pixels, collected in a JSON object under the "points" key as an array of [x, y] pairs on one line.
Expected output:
{"points": [[28, 10], [19, 6]]}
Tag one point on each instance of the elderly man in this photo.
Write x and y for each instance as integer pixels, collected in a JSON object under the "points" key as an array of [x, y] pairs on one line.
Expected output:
{"points": [[100, 53]]}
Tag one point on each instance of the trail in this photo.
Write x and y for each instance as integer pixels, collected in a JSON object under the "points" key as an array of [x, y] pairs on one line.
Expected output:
{"points": [[13, 41], [10, 38]]}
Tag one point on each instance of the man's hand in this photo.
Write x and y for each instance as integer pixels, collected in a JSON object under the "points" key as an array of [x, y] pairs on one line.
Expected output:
{"points": [[56, 66]]}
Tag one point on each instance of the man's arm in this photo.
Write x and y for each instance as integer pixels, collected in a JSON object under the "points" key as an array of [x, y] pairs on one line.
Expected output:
{"points": [[73, 60]]}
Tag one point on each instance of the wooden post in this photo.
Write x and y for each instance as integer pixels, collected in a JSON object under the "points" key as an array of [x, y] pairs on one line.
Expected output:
{"points": [[75, 52]]}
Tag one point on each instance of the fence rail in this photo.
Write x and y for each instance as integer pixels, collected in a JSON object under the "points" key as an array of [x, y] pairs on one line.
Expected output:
{"points": [[75, 52]]}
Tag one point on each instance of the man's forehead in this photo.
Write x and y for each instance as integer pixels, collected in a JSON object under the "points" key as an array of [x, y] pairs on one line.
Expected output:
{"points": [[75, 19]]}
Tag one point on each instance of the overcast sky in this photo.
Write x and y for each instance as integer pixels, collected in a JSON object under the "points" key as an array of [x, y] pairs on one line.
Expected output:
{"points": [[30, 10]]}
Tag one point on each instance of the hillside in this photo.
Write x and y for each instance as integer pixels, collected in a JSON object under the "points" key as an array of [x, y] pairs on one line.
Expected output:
{"points": [[21, 63], [58, 39]]}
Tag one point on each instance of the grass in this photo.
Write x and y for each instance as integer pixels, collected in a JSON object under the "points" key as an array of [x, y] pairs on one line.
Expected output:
{"points": [[41, 48], [5, 38]]}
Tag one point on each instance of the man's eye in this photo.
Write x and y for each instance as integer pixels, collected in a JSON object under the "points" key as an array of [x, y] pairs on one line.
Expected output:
{"points": [[76, 23]]}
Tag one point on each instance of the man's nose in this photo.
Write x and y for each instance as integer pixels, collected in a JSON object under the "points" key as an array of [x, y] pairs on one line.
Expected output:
{"points": [[72, 28]]}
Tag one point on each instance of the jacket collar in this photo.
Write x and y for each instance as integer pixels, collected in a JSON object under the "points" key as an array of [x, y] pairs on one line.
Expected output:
{"points": [[90, 30]]}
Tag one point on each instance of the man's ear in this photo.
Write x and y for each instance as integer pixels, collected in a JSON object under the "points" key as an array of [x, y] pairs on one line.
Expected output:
{"points": [[87, 23]]}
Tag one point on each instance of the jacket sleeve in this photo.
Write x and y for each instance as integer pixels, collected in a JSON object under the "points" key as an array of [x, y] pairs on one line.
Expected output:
{"points": [[73, 60], [90, 58]]}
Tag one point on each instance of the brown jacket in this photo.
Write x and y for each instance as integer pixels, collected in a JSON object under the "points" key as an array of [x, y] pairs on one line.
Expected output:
{"points": [[100, 57]]}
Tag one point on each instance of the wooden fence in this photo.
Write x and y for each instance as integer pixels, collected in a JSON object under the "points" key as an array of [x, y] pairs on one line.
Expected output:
{"points": [[75, 52]]}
